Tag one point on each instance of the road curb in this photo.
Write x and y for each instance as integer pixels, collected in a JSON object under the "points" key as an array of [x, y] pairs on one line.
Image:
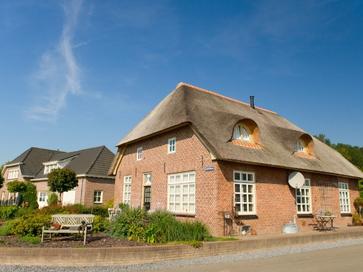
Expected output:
{"points": [[148, 254]]}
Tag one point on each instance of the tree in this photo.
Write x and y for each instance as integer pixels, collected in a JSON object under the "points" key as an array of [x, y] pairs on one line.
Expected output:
{"points": [[62, 180], [27, 193], [1, 176]]}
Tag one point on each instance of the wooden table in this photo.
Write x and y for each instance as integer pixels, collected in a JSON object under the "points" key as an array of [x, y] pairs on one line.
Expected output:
{"points": [[323, 222]]}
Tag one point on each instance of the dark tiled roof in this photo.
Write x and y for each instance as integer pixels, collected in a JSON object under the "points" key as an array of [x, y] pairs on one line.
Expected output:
{"points": [[31, 160], [214, 116], [94, 161]]}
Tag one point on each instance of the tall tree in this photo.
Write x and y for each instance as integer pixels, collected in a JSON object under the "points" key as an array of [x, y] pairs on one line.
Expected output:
{"points": [[62, 180]]}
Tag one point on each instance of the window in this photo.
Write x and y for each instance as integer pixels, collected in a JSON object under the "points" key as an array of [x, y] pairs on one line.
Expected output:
{"points": [[344, 198], [181, 193], [139, 153], [97, 196], [171, 145], [49, 167], [300, 146], [42, 197], [303, 198], [127, 190], [13, 174], [241, 132], [244, 192]]}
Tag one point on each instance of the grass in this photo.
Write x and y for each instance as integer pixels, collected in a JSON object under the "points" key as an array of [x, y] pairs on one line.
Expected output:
{"points": [[34, 240]]}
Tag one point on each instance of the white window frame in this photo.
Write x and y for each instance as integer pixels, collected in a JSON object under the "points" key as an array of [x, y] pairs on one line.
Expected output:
{"points": [[344, 197], [304, 195], [100, 196], [172, 145], [13, 174], [244, 181], [182, 193], [139, 153], [126, 192], [42, 197]]}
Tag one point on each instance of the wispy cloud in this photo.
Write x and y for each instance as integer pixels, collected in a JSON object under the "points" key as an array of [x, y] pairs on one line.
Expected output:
{"points": [[58, 75]]}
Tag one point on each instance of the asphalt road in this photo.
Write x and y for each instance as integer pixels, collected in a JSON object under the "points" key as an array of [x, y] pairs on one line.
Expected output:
{"points": [[349, 258]]}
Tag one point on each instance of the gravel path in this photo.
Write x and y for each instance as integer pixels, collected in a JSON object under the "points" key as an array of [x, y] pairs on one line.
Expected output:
{"points": [[267, 253]]}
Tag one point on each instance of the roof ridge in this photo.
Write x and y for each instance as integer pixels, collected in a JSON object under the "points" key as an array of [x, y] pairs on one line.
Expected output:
{"points": [[181, 84]]}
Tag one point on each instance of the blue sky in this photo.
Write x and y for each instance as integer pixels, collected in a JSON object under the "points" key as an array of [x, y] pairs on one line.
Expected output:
{"points": [[78, 74]]}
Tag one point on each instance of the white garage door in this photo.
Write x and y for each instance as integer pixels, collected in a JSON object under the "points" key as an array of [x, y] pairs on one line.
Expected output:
{"points": [[69, 197]]}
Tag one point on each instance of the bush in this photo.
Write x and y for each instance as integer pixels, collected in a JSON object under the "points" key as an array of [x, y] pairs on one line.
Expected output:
{"points": [[158, 227], [7, 228], [53, 199], [30, 224], [100, 224], [358, 204], [29, 196], [357, 219], [7, 213], [131, 224]]}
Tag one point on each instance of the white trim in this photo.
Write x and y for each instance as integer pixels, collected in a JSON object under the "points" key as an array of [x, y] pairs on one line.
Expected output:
{"points": [[173, 183], [309, 197], [250, 180], [127, 183], [169, 145], [344, 195]]}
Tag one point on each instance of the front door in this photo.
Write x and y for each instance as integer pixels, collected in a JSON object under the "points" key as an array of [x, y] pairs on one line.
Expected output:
{"points": [[147, 197]]}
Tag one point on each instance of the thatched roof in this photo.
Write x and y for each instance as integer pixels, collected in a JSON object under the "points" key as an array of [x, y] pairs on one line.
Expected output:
{"points": [[213, 116]]}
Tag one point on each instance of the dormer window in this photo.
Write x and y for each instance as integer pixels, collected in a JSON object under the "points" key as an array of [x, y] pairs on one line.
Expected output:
{"points": [[246, 133], [241, 133], [300, 146], [49, 167], [305, 146], [13, 174]]}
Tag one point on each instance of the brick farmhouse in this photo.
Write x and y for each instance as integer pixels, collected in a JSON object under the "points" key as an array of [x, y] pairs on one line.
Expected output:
{"points": [[204, 156], [90, 165]]}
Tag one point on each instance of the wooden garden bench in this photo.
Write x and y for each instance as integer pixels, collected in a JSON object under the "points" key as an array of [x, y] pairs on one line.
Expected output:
{"points": [[70, 224]]}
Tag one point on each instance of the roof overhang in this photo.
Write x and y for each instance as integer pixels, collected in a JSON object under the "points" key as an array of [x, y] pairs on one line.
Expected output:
{"points": [[293, 169]]}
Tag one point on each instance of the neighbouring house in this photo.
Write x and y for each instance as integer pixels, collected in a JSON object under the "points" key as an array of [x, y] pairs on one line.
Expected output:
{"points": [[90, 165], [204, 156]]}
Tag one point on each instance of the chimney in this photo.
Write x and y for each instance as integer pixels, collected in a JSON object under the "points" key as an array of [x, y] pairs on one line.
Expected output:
{"points": [[252, 101]]}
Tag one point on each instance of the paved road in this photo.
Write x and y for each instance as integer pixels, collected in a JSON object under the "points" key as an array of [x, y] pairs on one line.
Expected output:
{"points": [[330, 260]]}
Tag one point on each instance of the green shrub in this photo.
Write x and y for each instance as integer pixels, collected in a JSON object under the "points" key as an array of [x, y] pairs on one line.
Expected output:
{"points": [[29, 196], [7, 228], [100, 224], [358, 204], [53, 199], [157, 227], [357, 219], [34, 240], [8, 212], [99, 210], [31, 224], [131, 224]]}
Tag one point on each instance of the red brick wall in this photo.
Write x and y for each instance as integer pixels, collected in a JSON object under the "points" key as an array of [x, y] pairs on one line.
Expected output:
{"points": [[214, 189], [190, 155], [85, 189]]}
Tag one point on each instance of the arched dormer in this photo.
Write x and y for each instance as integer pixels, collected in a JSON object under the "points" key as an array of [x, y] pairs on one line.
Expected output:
{"points": [[246, 133], [305, 145]]}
